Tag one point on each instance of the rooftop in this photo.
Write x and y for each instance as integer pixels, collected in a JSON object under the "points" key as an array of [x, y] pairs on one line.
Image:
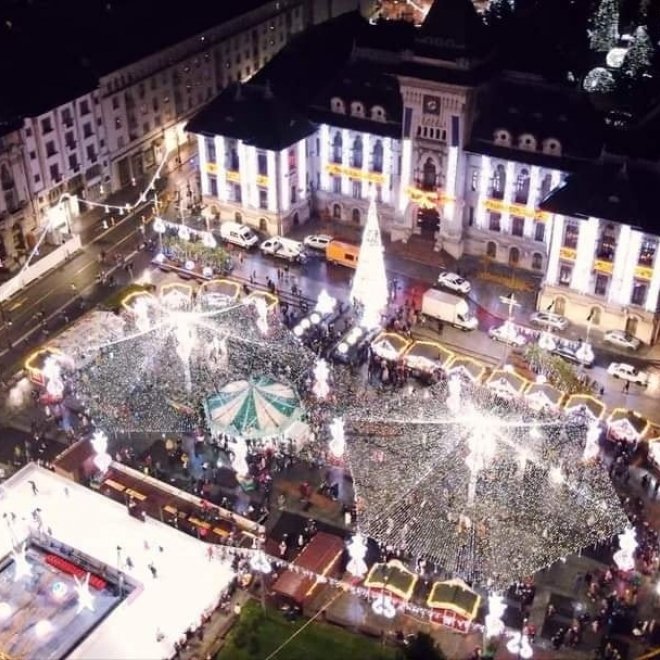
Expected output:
{"points": [[81, 40], [617, 191]]}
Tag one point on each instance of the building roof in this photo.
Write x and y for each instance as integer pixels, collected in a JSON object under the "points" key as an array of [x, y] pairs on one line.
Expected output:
{"points": [[620, 192], [253, 114], [54, 50], [452, 27], [529, 106]]}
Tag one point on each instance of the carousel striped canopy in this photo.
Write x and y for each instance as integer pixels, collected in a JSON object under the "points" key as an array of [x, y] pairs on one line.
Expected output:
{"points": [[253, 408]]}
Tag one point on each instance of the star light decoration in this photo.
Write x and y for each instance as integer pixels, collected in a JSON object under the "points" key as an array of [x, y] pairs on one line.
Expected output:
{"points": [[337, 438], [85, 596], [155, 377], [519, 646], [488, 488], [321, 387], [624, 557], [102, 458], [22, 567], [357, 551], [493, 624]]}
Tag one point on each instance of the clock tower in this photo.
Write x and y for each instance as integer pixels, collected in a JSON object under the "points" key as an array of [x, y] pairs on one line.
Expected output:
{"points": [[438, 81]]}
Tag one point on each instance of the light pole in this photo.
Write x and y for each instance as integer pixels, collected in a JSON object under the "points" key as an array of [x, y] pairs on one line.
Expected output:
{"points": [[511, 303], [585, 353], [261, 565]]}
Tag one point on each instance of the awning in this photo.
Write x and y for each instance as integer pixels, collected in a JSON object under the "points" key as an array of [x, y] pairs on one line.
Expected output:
{"points": [[585, 404], [506, 383], [427, 355], [542, 395], [624, 424], [456, 596], [393, 577], [389, 345], [467, 368]]}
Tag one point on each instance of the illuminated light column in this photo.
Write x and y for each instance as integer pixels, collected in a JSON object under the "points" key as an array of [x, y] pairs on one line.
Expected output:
{"points": [[654, 288], [272, 184], [406, 164], [586, 249], [203, 171], [450, 182], [555, 246], [324, 141], [532, 200], [221, 157], [622, 254], [387, 171], [629, 267], [301, 174], [508, 196], [345, 161], [484, 181], [245, 173]]}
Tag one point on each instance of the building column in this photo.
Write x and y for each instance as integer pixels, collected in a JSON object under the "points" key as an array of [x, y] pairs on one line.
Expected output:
{"points": [[366, 157], [625, 258], [387, 170], [584, 260], [508, 196], [552, 270], [484, 181], [345, 161], [221, 157], [302, 169], [274, 204], [406, 166], [324, 142], [246, 173], [532, 200]]}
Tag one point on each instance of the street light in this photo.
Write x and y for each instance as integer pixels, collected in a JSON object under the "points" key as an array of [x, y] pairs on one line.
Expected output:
{"points": [[511, 303], [585, 353]]}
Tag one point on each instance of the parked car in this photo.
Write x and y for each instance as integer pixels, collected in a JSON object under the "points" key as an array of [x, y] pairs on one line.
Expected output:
{"points": [[283, 248], [622, 339], [507, 334], [317, 241], [238, 234], [549, 320], [584, 358], [628, 372], [454, 282]]}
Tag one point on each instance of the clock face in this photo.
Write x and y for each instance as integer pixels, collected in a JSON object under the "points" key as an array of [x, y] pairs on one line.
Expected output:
{"points": [[431, 105]]}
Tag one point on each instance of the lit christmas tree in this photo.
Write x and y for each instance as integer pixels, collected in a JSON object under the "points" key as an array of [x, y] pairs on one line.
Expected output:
{"points": [[638, 58], [499, 10], [370, 281], [604, 32]]}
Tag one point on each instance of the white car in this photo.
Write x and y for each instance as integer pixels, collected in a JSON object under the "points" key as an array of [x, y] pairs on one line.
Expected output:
{"points": [[628, 372], [622, 339], [454, 282], [283, 248], [317, 241], [549, 320], [507, 334]]}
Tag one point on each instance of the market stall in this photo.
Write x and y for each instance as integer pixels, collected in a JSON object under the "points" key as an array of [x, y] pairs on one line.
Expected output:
{"points": [[216, 294], [626, 426], [427, 356], [453, 604], [585, 405], [176, 295], [320, 557], [253, 408], [506, 383], [653, 444], [466, 368], [389, 345], [392, 578], [543, 396], [271, 300], [36, 365]]}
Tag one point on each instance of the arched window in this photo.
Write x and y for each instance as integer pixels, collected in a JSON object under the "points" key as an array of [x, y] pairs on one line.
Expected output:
{"points": [[357, 109], [263, 224], [537, 261], [336, 212], [559, 306], [337, 148], [522, 187], [238, 217], [337, 105], [355, 216], [527, 142], [491, 249], [498, 182], [502, 138], [594, 315], [551, 146], [429, 175], [377, 157], [546, 186], [514, 256], [631, 325], [356, 156], [378, 113], [6, 178]]}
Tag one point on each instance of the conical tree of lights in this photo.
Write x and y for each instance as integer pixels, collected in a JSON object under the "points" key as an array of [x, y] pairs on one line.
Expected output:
{"points": [[370, 281]]}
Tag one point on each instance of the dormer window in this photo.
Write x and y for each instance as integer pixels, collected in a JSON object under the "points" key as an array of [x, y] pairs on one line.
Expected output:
{"points": [[552, 146], [527, 142], [337, 105], [357, 109], [378, 113], [502, 138]]}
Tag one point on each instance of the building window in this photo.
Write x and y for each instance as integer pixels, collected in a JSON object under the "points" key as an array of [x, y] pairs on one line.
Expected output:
{"points": [[293, 159], [232, 158], [33, 155], [522, 187], [494, 221], [607, 243], [50, 149], [377, 157], [600, 286], [209, 144], [498, 182], [537, 261], [337, 148], [115, 103], [84, 108], [539, 231], [514, 256], [91, 154], [294, 194], [336, 212], [117, 123], [470, 210], [647, 252], [559, 305], [66, 117], [355, 216], [357, 189], [55, 172], [565, 275], [546, 186], [336, 185], [87, 130], [594, 316], [429, 175], [571, 233], [263, 198], [517, 225], [46, 125], [73, 162], [639, 291], [356, 157], [262, 164], [474, 179], [234, 193], [213, 185], [491, 249]]}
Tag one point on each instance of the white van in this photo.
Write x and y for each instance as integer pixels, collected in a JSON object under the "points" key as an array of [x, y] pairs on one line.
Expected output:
{"points": [[234, 232]]}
